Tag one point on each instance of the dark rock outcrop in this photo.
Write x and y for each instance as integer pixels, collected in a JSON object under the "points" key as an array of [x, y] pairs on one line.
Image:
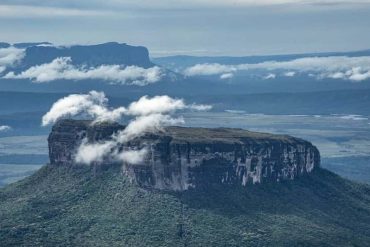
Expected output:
{"points": [[181, 158]]}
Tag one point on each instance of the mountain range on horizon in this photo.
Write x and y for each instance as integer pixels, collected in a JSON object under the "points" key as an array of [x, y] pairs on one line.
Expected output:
{"points": [[362, 52], [119, 68], [42, 73]]}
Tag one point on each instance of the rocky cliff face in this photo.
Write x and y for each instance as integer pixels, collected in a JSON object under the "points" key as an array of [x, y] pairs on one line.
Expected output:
{"points": [[182, 158]]}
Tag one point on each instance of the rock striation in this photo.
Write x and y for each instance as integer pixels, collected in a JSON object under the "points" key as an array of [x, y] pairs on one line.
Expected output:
{"points": [[182, 158]]}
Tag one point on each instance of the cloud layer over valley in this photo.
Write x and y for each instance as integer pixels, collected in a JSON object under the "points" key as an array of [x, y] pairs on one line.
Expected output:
{"points": [[351, 68], [333, 67], [62, 69]]}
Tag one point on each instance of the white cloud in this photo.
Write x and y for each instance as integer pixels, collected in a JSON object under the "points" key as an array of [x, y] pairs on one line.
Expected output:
{"points": [[353, 117], [10, 56], [88, 153], [198, 107], [160, 105], [289, 74], [332, 63], [269, 76], [93, 152], [157, 104], [209, 69], [226, 76], [336, 67], [357, 74], [336, 75], [150, 115], [93, 104], [62, 68], [4, 128], [144, 124], [353, 74], [132, 156]]}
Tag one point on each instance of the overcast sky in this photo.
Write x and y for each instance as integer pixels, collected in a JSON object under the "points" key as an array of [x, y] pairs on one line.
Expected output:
{"points": [[196, 27]]}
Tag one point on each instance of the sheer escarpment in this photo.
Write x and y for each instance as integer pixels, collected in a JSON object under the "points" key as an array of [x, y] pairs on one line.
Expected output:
{"points": [[180, 158]]}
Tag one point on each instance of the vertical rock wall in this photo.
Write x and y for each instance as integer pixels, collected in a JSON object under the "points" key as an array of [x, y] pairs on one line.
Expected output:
{"points": [[183, 158]]}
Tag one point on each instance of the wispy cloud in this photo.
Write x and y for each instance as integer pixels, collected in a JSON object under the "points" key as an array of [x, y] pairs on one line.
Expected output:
{"points": [[209, 69], [289, 74], [269, 76], [226, 76], [131, 156], [148, 115], [62, 69], [335, 67], [4, 128]]}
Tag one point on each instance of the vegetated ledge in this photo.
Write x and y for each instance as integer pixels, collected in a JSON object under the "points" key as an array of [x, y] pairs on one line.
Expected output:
{"points": [[180, 158]]}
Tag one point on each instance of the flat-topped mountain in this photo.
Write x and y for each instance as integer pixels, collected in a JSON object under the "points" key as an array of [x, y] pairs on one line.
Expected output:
{"points": [[111, 53], [69, 204], [180, 158]]}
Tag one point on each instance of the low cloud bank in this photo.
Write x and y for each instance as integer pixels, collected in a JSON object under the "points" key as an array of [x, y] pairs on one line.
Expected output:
{"points": [[334, 67], [62, 69], [210, 69], [148, 115]]}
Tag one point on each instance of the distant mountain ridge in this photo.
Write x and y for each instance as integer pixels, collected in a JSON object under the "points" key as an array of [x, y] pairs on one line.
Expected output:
{"points": [[187, 60], [111, 53]]}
